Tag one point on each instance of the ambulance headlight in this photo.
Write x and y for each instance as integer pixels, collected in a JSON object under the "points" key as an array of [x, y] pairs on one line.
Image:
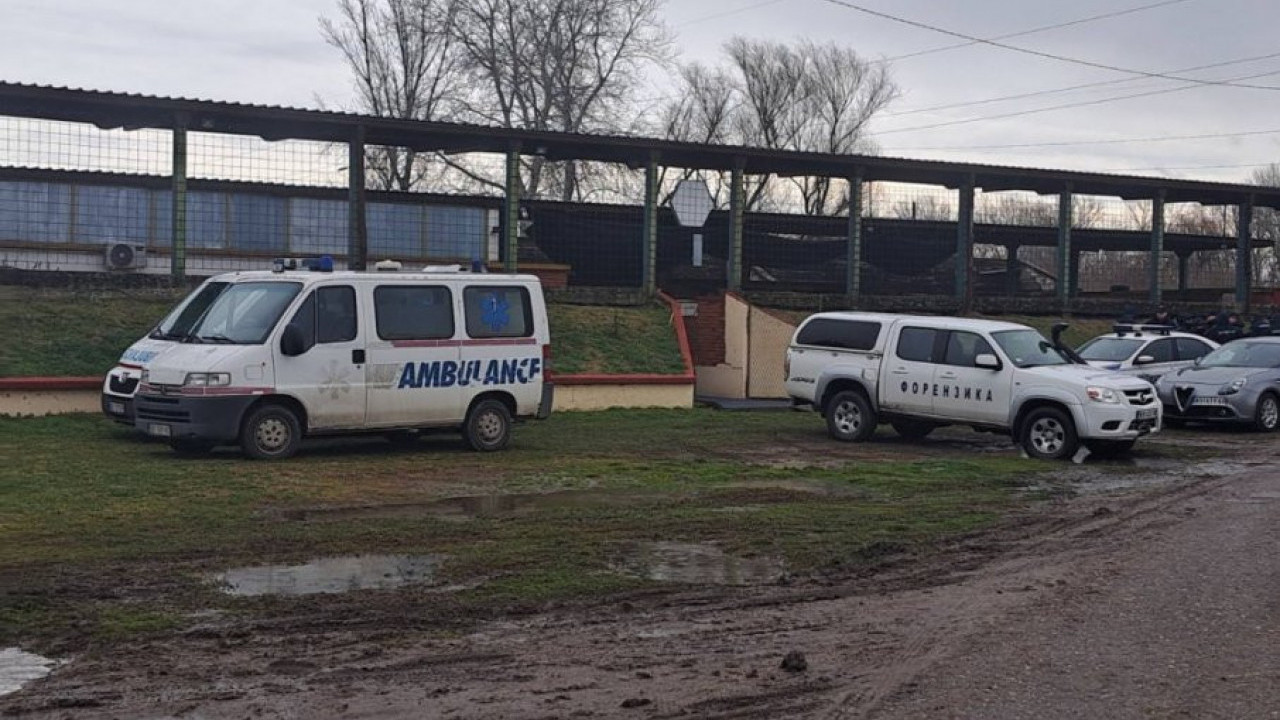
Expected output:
{"points": [[208, 379], [1103, 395]]}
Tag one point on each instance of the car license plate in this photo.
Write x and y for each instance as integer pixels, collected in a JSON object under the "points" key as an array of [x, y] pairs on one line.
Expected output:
{"points": [[159, 430], [115, 408], [1147, 414]]}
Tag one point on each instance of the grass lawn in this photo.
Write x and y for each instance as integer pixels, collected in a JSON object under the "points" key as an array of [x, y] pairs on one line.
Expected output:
{"points": [[104, 535], [60, 333]]}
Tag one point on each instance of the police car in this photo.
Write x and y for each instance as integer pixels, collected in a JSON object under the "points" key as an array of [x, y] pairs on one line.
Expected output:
{"points": [[921, 373], [1147, 351], [280, 355]]}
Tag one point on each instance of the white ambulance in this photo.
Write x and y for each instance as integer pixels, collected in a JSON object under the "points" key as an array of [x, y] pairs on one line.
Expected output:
{"points": [[121, 384], [280, 355]]}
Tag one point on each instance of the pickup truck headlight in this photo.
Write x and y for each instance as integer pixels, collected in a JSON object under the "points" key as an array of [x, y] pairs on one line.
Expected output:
{"points": [[1103, 395], [207, 379], [1232, 387]]}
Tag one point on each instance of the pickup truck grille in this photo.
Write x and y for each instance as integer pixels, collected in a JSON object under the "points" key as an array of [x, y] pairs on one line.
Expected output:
{"points": [[1140, 397]]}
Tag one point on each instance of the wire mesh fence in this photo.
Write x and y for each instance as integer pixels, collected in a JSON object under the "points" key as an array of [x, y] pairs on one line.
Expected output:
{"points": [[80, 197]]}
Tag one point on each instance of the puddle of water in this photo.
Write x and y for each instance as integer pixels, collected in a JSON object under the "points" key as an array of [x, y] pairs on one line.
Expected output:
{"points": [[697, 563], [17, 668], [480, 506], [331, 575]]}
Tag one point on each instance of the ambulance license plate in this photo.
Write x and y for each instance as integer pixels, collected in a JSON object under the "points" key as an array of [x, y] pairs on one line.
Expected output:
{"points": [[115, 408], [1148, 414], [158, 430]]}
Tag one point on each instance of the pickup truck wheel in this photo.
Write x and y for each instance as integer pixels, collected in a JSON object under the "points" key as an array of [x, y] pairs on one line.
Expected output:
{"points": [[1266, 418], [271, 432], [488, 426], [850, 417], [1109, 448], [1049, 434], [913, 429]]}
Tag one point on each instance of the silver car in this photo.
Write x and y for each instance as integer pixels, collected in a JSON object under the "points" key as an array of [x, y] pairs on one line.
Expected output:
{"points": [[1237, 383], [1145, 351]]}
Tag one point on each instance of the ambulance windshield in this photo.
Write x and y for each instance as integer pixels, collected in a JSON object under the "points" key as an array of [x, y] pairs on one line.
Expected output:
{"points": [[244, 313], [177, 325], [1028, 348]]}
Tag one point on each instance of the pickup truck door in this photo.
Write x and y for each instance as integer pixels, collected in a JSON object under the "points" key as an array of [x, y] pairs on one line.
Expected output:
{"points": [[967, 393], [906, 383]]}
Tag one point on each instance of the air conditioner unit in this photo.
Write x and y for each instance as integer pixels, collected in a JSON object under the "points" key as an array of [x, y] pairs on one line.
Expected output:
{"points": [[124, 256]]}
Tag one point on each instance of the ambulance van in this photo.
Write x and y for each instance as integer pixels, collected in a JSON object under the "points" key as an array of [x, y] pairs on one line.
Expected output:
{"points": [[121, 384], [281, 355]]}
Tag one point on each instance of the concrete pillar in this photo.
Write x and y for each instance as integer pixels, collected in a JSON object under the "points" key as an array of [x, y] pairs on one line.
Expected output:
{"points": [[511, 211], [853, 258], [964, 244], [1065, 220], [1184, 261], [1244, 255], [737, 211], [650, 248], [1157, 249], [178, 241], [357, 229]]}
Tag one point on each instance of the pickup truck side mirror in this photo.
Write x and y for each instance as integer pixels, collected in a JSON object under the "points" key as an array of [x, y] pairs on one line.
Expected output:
{"points": [[987, 361], [1144, 360], [292, 343]]}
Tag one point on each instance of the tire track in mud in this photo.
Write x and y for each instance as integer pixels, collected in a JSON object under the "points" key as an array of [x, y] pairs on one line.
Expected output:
{"points": [[1048, 552]]}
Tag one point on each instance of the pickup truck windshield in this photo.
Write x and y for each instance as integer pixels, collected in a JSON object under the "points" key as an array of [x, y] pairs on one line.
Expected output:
{"points": [[177, 324], [244, 313], [1028, 348]]}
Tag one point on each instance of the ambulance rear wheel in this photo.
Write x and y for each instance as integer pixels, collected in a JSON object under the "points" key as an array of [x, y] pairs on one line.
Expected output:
{"points": [[271, 432], [488, 426], [850, 417]]}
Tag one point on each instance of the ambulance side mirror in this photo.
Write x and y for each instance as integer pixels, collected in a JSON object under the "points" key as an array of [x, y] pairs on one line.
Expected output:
{"points": [[292, 343], [987, 361]]}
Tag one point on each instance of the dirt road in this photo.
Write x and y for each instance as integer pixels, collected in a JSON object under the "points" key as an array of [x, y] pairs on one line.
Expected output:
{"points": [[1156, 604]]}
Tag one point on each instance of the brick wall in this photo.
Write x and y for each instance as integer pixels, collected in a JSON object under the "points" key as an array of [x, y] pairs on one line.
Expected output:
{"points": [[706, 331]]}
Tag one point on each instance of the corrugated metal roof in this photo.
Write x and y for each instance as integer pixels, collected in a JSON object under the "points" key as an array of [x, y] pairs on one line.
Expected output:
{"points": [[134, 110]]}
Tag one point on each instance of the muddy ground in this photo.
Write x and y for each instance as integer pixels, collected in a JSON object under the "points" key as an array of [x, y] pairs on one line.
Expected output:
{"points": [[1131, 594]]}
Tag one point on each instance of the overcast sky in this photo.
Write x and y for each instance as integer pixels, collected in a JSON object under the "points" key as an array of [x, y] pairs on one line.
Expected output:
{"points": [[271, 51]]}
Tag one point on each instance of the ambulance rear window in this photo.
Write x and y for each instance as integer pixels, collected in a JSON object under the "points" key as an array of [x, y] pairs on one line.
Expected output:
{"points": [[498, 312], [843, 334]]}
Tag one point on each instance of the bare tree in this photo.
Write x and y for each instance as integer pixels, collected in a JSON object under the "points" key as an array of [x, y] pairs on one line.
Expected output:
{"points": [[405, 64], [803, 96], [557, 65], [924, 207]]}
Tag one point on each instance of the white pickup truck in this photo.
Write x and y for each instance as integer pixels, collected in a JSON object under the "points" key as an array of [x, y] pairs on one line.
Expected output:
{"points": [[921, 373]]}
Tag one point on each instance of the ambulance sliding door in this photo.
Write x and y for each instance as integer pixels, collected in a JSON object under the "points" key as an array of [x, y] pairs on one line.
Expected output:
{"points": [[413, 356]]}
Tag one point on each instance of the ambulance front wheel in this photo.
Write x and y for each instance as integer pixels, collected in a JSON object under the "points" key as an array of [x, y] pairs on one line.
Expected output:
{"points": [[271, 432], [488, 426]]}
